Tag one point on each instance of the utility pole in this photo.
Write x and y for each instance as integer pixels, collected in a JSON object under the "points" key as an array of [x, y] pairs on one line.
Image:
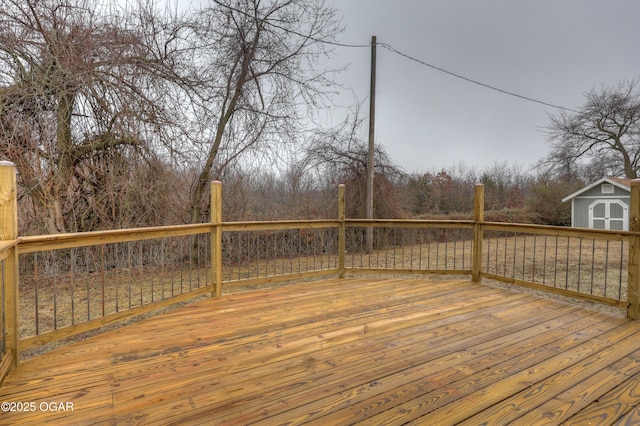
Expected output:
{"points": [[370, 154]]}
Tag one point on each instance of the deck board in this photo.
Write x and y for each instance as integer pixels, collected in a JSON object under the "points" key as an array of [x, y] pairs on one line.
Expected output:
{"points": [[353, 351]]}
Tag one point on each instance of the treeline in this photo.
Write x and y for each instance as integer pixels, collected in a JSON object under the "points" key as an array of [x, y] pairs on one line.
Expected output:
{"points": [[136, 195], [512, 194]]}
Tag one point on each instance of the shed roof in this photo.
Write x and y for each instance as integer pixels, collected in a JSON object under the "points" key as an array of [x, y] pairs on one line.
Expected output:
{"points": [[621, 183]]}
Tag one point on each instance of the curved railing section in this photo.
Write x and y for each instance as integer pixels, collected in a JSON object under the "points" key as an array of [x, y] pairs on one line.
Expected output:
{"points": [[56, 286]]}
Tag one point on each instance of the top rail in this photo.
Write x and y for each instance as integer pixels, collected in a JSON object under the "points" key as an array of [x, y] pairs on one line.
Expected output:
{"points": [[410, 223], [5, 247], [560, 231], [37, 243], [278, 225]]}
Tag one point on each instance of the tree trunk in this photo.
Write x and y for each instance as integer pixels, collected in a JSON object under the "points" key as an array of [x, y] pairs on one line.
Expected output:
{"points": [[63, 167], [227, 111], [629, 170]]}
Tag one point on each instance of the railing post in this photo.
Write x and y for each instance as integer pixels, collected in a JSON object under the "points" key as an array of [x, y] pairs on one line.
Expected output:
{"points": [[341, 231], [9, 231], [633, 270], [478, 218], [216, 237]]}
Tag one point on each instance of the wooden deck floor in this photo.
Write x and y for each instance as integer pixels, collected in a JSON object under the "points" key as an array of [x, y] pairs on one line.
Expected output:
{"points": [[337, 352]]}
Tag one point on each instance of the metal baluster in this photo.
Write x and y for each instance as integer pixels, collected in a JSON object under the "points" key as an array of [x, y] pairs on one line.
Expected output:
{"points": [[54, 267], [593, 263], [504, 261], [116, 280], [37, 292], [455, 251], [579, 261], [544, 262], [162, 264], [130, 267], [606, 269], [152, 263], [446, 250], [621, 263], [555, 265], [141, 269], [566, 279], [515, 250], [88, 277], [102, 275], [524, 256], [533, 269]]}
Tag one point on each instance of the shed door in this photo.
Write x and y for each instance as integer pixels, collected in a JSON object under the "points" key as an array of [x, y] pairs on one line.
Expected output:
{"points": [[608, 214]]}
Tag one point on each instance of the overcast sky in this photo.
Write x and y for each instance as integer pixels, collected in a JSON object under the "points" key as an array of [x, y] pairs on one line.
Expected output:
{"points": [[550, 50]]}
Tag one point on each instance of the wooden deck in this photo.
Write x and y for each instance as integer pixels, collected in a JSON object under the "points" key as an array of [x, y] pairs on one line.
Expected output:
{"points": [[337, 352]]}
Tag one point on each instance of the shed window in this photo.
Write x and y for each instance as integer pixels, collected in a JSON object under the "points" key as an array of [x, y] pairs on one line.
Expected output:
{"points": [[607, 188]]}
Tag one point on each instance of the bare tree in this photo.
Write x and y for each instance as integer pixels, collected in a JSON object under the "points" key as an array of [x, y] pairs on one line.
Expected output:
{"points": [[341, 154], [260, 76], [80, 85], [607, 127]]}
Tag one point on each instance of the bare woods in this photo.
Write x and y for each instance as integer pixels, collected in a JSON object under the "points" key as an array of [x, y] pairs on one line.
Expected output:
{"points": [[119, 114]]}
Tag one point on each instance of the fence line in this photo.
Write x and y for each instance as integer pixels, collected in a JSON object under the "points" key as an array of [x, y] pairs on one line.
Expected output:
{"points": [[409, 247], [98, 277], [73, 283], [591, 265]]}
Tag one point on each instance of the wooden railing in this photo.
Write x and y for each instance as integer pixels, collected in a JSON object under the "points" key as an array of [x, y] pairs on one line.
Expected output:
{"points": [[73, 283], [8, 269], [589, 264], [8, 307], [410, 247]]}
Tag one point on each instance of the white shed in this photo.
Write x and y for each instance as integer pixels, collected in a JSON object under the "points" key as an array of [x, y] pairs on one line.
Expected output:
{"points": [[602, 205]]}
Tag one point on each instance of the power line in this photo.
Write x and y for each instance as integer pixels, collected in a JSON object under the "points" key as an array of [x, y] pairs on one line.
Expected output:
{"points": [[407, 56], [334, 43], [479, 83]]}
